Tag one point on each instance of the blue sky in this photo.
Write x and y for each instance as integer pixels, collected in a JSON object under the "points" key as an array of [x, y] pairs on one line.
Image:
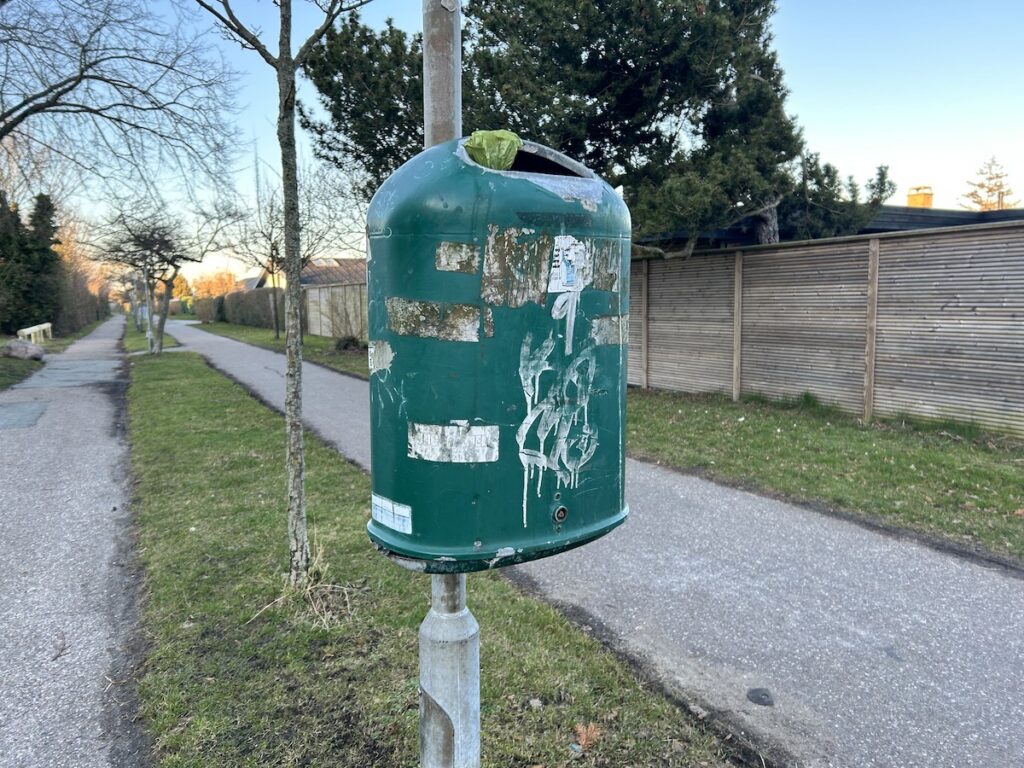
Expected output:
{"points": [[929, 88]]}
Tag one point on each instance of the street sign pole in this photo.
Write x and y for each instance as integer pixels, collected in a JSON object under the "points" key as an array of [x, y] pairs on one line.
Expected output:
{"points": [[449, 635]]}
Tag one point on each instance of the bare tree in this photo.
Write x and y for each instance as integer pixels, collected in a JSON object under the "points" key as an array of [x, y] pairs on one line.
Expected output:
{"points": [[326, 223], [28, 169], [285, 64], [155, 246], [113, 87], [125, 290]]}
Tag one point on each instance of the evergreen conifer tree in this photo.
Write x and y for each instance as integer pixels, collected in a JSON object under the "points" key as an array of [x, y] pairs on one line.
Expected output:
{"points": [[29, 267]]}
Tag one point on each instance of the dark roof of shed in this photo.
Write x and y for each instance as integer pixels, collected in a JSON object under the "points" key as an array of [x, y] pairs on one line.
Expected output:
{"points": [[897, 218], [335, 272], [890, 218]]}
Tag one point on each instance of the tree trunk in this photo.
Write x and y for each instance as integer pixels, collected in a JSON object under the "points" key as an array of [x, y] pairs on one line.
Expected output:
{"points": [[165, 306], [298, 540], [766, 223], [273, 305], [133, 310], [140, 297], [149, 311]]}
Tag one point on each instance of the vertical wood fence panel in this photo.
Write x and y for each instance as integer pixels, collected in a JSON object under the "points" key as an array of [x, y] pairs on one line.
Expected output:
{"points": [[637, 370], [337, 311], [924, 323], [690, 324], [951, 329], [804, 312]]}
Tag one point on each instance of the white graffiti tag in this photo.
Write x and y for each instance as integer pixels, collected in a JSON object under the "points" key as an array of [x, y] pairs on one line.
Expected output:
{"points": [[556, 434]]}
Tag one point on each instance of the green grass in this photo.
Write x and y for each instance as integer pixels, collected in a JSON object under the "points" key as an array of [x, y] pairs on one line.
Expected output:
{"points": [[315, 349], [947, 480], [13, 371], [134, 341], [227, 687]]}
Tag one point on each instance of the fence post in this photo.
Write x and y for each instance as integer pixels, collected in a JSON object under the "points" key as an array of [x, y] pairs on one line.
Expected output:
{"points": [[737, 328], [871, 330], [332, 309], [644, 283]]}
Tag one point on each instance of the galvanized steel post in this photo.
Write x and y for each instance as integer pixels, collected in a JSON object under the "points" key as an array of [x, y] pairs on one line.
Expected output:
{"points": [[449, 635], [449, 678], [442, 71]]}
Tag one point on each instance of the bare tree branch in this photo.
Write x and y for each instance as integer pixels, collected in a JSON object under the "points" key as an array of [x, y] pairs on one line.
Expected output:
{"points": [[230, 23], [114, 86]]}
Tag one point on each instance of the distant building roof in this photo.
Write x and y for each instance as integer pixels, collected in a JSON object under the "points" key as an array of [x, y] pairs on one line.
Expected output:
{"points": [[335, 272], [250, 283]]}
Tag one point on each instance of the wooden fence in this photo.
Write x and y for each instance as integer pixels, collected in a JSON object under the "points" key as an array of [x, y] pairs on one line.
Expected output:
{"points": [[928, 323], [337, 311]]}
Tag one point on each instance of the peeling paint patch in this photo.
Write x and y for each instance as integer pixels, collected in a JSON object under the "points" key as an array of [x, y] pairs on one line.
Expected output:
{"points": [[488, 323], [455, 443], [448, 322], [608, 265], [391, 514], [501, 554], [381, 355], [515, 267], [456, 257], [612, 329]]}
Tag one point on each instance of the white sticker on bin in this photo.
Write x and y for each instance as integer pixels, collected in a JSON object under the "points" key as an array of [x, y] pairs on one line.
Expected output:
{"points": [[455, 443], [391, 514]]}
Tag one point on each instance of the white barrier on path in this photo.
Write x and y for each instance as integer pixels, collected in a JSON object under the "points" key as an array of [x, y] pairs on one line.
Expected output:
{"points": [[37, 334]]}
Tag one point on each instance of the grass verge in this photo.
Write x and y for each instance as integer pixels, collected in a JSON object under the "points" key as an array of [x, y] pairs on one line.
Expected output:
{"points": [[315, 349], [226, 684], [13, 370], [135, 341], [961, 484]]}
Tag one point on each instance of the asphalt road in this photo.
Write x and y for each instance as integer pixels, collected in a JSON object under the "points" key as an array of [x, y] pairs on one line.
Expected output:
{"points": [[825, 643], [67, 589]]}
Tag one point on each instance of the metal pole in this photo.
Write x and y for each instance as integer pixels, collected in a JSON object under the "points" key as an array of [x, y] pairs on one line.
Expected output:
{"points": [[442, 71], [449, 678], [149, 309], [449, 635]]}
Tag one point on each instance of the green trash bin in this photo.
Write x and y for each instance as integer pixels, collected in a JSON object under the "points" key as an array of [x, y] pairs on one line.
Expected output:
{"points": [[498, 324]]}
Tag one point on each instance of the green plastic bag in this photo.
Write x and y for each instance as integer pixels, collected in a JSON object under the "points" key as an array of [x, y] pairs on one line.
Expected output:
{"points": [[494, 149]]}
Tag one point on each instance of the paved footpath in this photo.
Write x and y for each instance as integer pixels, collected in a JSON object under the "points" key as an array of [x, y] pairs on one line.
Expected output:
{"points": [[825, 643], [67, 593]]}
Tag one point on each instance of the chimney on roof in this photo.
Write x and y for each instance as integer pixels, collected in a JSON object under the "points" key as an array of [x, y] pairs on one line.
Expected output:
{"points": [[919, 197]]}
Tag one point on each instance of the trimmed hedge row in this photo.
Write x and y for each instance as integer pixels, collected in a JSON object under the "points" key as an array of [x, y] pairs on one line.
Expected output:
{"points": [[254, 307], [210, 310], [245, 308]]}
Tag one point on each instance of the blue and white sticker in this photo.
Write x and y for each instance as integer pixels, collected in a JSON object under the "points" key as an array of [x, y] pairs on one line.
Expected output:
{"points": [[391, 514], [570, 265]]}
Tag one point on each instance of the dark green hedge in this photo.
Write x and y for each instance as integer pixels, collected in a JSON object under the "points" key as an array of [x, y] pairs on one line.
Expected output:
{"points": [[254, 307], [210, 310]]}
